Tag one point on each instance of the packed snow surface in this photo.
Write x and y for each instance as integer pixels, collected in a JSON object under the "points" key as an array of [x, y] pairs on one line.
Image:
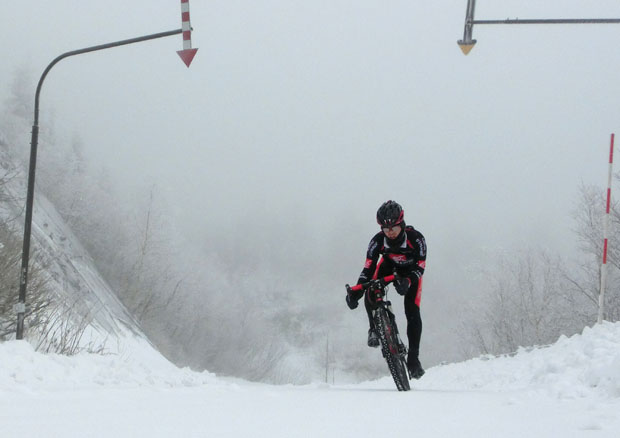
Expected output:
{"points": [[568, 389]]}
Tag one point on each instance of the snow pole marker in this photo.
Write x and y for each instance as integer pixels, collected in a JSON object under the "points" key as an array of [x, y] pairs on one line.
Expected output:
{"points": [[601, 296], [187, 54]]}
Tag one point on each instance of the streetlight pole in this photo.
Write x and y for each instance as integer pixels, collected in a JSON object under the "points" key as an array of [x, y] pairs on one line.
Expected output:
{"points": [[467, 43], [20, 308]]}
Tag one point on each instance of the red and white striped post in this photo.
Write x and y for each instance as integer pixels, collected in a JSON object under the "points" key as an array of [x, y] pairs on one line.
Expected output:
{"points": [[601, 295], [187, 54]]}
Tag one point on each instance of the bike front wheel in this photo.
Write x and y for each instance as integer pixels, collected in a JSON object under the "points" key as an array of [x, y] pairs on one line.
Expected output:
{"points": [[394, 356]]}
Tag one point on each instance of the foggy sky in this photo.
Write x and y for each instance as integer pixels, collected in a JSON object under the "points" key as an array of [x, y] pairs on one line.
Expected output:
{"points": [[297, 119]]}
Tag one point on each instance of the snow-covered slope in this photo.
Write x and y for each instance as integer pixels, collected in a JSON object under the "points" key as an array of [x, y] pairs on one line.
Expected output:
{"points": [[569, 389], [73, 275]]}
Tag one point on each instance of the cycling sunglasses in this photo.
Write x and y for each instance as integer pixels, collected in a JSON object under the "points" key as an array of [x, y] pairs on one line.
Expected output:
{"points": [[393, 227]]}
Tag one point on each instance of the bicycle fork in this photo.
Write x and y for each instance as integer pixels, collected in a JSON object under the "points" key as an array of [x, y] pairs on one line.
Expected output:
{"points": [[402, 350]]}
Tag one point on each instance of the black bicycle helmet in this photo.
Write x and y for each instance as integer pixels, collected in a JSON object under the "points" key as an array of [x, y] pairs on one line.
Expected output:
{"points": [[390, 213]]}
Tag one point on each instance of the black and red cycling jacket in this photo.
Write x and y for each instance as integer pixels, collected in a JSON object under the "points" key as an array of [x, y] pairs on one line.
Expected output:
{"points": [[409, 260]]}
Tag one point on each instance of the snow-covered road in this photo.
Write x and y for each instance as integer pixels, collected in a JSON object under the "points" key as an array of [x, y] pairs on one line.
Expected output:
{"points": [[570, 389], [232, 410]]}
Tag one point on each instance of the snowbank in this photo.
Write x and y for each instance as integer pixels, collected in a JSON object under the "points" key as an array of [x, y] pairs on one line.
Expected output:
{"points": [[580, 366], [23, 369]]}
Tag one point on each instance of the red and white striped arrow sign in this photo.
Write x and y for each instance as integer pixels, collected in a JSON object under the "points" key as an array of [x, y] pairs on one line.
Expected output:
{"points": [[187, 54]]}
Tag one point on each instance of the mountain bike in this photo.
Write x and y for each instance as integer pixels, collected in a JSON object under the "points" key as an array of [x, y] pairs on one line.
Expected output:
{"points": [[392, 348]]}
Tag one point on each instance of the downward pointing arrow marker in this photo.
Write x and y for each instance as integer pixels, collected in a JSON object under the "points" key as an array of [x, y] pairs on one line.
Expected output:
{"points": [[187, 54]]}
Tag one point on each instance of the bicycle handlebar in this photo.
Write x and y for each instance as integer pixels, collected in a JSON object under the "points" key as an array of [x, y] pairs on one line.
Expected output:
{"points": [[363, 286]]}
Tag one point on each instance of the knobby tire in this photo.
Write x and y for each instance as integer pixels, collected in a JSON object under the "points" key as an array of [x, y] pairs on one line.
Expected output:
{"points": [[389, 348]]}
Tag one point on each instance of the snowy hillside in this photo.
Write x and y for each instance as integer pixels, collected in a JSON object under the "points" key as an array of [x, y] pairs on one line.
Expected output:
{"points": [[563, 390], [71, 271]]}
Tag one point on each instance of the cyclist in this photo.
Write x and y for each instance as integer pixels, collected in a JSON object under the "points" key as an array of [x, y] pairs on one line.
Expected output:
{"points": [[403, 251]]}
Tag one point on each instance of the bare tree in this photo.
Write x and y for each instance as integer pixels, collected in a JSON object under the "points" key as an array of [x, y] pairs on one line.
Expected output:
{"points": [[525, 303], [589, 229]]}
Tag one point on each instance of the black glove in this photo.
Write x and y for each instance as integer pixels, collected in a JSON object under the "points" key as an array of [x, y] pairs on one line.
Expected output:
{"points": [[353, 297], [351, 302], [402, 285]]}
